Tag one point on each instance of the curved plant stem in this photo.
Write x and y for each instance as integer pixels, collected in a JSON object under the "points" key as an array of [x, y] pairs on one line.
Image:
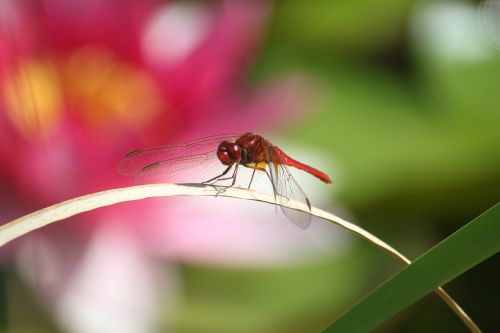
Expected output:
{"points": [[63, 210]]}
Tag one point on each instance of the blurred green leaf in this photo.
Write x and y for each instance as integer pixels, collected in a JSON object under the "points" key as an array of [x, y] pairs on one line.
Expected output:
{"points": [[282, 299], [466, 248], [354, 27]]}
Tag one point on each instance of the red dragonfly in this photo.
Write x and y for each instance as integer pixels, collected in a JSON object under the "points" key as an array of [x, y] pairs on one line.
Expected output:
{"points": [[208, 155]]}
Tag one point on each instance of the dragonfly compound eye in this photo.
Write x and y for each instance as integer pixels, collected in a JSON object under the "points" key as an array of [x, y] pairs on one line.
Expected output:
{"points": [[228, 153], [234, 152]]}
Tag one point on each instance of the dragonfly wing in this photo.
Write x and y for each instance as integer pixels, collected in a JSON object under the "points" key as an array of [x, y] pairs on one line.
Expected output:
{"points": [[287, 190], [187, 169], [135, 161]]}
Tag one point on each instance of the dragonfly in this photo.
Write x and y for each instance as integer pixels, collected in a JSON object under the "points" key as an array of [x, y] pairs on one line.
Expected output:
{"points": [[218, 158]]}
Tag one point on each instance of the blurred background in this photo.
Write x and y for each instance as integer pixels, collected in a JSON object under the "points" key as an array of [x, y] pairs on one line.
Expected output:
{"points": [[396, 100]]}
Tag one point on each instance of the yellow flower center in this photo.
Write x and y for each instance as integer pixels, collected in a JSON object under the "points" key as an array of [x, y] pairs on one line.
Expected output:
{"points": [[109, 96], [33, 98]]}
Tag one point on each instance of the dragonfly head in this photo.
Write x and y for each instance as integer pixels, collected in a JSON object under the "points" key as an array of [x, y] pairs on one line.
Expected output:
{"points": [[229, 153]]}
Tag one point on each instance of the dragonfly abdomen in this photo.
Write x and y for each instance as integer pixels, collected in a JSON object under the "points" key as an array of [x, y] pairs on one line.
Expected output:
{"points": [[285, 159]]}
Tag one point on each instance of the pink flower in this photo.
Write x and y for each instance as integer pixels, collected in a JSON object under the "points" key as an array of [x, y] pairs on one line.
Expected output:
{"points": [[84, 82]]}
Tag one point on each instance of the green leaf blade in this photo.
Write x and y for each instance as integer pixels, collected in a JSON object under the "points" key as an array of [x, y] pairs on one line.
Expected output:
{"points": [[472, 244]]}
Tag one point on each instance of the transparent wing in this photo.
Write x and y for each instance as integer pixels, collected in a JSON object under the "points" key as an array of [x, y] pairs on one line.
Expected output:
{"points": [[287, 190], [187, 169], [193, 161]]}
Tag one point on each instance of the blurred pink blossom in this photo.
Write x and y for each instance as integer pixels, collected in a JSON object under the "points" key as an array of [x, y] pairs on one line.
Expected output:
{"points": [[84, 82]]}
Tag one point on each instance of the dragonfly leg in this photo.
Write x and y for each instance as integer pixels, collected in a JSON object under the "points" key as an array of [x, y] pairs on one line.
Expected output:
{"points": [[216, 178], [233, 176], [274, 189], [272, 183], [251, 179]]}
